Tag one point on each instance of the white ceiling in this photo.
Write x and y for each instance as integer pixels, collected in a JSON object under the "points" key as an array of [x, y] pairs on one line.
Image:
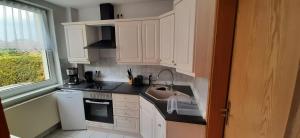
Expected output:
{"points": [[89, 3]]}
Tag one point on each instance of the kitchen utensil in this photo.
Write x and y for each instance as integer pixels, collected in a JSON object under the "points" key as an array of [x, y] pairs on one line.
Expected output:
{"points": [[138, 81], [88, 75]]}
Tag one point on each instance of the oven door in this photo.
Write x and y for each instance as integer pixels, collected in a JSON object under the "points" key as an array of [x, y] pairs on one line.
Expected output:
{"points": [[98, 110]]}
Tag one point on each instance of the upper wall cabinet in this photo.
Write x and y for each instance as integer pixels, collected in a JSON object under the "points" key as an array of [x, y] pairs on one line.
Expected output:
{"points": [[77, 37], [185, 11], [129, 42], [137, 42], [150, 39], [167, 40]]}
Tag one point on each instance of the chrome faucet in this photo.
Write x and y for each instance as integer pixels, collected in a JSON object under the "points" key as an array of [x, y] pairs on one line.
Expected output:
{"points": [[170, 71]]}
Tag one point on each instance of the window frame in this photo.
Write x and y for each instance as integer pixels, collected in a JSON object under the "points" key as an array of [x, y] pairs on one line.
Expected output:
{"points": [[51, 56]]}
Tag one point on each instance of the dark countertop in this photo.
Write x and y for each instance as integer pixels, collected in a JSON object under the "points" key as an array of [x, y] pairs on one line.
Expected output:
{"points": [[161, 106]]}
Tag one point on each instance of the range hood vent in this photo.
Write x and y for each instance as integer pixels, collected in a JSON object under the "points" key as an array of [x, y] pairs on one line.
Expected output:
{"points": [[108, 32], [103, 44]]}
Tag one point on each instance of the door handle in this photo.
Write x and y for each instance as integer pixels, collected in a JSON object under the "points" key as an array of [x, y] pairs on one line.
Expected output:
{"points": [[101, 103], [226, 112]]}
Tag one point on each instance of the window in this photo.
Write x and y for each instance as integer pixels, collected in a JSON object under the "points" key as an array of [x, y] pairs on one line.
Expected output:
{"points": [[26, 59]]}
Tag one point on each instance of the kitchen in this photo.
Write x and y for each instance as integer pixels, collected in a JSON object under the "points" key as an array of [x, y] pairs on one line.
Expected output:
{"points": [[149, 69], [119, 73], [142, 104]]}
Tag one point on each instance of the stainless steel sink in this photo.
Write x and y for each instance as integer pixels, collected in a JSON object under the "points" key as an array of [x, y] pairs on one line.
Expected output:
{"points": [[162, 93]]}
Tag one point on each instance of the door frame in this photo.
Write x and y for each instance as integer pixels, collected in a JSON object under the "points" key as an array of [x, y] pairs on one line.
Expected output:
{"points": [[225, 19]]}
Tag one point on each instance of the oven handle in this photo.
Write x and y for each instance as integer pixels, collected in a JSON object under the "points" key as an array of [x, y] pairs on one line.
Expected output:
{"points": [[92, 102]]}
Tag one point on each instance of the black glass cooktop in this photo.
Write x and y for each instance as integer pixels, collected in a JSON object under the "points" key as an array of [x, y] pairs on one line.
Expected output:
{"points": [[104, 85], [99, 85]]}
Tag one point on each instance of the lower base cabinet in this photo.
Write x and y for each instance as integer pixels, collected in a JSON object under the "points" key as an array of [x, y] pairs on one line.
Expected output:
{"points": [[160, 126], [152, 124], [126, 113], [134, 114], [128, 124]]}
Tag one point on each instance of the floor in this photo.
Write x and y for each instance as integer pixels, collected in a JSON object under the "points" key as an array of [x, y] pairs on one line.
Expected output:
{"points": [[90, 134]]}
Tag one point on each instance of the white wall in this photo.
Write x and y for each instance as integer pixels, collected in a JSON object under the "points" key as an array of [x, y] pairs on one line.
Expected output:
{"points": [[129, 10], [144, 9], [31, 118], [87, 14], [111, 71], [200, 89], [72, 14]]}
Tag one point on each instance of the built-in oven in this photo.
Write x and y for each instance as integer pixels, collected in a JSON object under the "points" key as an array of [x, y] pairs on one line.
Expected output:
{"points": [[98, 107]]}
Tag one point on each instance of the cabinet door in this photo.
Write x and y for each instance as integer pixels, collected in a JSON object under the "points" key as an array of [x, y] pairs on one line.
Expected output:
{"points": [[150, 39], [75, 37], [129, 45], [129, 124], [184, 35], [147, 118], [160, 126], [167, 40]]}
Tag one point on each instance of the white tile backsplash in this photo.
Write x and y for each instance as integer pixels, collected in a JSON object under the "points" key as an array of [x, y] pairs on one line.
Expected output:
{"points": [[111, 71]]}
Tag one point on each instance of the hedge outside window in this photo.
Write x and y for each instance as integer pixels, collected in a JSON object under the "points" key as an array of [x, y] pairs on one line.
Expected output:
{"points": [[26, 59]]}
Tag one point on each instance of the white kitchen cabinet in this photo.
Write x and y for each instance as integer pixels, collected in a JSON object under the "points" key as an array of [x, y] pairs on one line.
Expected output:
{"points": [[129, 42], [128, 124], [152, 124], [126, 112], [185, 11], [167, 40], [138, 42], [160, 126], [150, 41], [78, 37], [147, 119]]}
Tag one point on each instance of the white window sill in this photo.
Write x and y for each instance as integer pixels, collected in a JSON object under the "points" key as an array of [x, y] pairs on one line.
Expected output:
{"points": [[28, 96]]}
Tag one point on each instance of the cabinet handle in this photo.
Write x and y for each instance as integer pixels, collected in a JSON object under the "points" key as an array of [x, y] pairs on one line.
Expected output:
{"points": [[101, 103], [159, 125]]}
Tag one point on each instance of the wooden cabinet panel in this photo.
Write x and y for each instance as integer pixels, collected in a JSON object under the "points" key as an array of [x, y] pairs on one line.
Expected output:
{"points": [[184, 36], [160, 126], [128, 40], [126, 112], [128, 124], [78, 37], [126, 98], [150, 39], [204, 37], [167, 40], [126, 105], [75, 37], [147, 118], [185, 130]]}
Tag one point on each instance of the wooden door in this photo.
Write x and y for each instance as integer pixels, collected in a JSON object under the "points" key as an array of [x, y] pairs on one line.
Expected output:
{"points": [[264, 68], [150, 39], [129, 42], [167, 40], [75, 37], [185, 12]]}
